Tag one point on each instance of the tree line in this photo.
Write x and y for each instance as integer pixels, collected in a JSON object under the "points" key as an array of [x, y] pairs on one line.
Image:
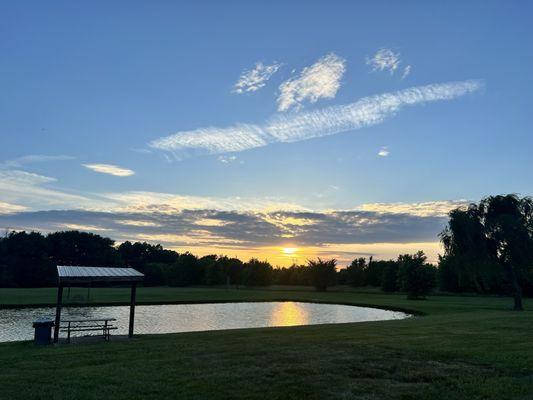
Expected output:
{"points": [[29, 259], [410, 273], [488, 248]]}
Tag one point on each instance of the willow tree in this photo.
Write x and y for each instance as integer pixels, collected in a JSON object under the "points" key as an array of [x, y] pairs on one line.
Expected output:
{"points": [[497, 230]]}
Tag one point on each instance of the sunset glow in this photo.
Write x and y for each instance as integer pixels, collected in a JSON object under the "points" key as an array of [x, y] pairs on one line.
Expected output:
{"points": [[281, 151], [289, 250]]}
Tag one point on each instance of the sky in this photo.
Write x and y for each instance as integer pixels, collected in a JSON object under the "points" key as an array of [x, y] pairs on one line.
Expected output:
{"points": [[285, 130]]}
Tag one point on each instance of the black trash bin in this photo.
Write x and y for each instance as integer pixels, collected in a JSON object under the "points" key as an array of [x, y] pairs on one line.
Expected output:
{"points": [[43, 331]]}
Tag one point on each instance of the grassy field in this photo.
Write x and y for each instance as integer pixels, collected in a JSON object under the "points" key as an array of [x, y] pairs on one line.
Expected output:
{"points": [[462, 348]]}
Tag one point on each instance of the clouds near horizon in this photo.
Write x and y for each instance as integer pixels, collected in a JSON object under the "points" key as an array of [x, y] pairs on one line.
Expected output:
{"points": [[237, 229]]}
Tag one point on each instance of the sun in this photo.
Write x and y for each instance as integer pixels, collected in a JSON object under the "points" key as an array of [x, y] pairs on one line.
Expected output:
{"points": [[289, 250]]}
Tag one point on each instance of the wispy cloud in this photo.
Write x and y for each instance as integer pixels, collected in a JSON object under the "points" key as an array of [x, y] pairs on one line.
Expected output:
{"points": [[33, 158], [140, 202], [439, 208], [23, 178], [256, 78], [8, 208], [32, 191], [320, 80], [384, 60], [383, 152], [406, 71], [109, 169], [227, 159], [306, 125]]}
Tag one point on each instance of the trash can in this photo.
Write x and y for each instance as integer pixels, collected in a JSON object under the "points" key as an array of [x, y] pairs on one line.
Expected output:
{"points": [[43, 331]]}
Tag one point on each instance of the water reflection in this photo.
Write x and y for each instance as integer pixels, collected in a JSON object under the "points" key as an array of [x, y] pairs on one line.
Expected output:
{"points": [[16, 324], [289, 314]]}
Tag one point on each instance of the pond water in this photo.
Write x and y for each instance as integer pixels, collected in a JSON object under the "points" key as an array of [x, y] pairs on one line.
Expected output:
{"points": [[16, 324]]}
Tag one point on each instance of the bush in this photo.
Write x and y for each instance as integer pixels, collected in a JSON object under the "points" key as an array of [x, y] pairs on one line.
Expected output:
{"points": [[415, 276]]}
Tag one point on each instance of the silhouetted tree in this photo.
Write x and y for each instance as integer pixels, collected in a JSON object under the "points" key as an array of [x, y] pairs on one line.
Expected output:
{"points": [[138, 255], [209, 269], [415, 276], [257, 273], [356, 272], [25, 261], [293, 275], [322, 273], [155, 274], [389, 276], [184, 271], [231, 269], [374, 272], [82, 248], [497, 231]]}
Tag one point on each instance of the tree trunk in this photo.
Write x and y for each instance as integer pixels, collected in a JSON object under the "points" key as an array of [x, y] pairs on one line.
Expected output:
{"points": [[518, 301], [517, 291]]}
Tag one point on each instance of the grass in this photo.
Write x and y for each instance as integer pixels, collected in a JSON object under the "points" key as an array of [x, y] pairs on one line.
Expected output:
{"points": [[462, 348]]}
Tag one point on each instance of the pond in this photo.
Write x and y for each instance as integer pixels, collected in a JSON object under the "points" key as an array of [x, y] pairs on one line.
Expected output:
{"points": [[16, 324]]}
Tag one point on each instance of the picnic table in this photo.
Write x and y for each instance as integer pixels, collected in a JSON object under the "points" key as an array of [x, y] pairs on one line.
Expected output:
{"points": [[88, 325]]}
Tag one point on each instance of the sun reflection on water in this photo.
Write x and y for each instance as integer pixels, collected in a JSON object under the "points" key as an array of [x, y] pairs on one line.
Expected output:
{"points": [[289, 314]]}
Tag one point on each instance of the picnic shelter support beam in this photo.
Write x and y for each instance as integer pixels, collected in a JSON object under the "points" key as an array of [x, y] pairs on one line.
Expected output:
{"points": [[132, 309], [58, 311]]}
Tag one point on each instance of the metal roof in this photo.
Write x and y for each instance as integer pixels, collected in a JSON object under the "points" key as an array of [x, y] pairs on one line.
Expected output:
{"points": [[97, 274]]}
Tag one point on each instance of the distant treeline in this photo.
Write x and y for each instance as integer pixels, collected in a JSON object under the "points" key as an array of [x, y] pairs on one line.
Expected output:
{"points": [[29, 260], [488, 249]]}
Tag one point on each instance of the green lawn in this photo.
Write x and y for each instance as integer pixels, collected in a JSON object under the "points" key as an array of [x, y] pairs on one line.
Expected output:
{"points": [[462, 348]]}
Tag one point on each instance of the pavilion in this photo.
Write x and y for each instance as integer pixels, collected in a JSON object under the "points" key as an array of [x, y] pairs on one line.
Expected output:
{"points": [[82, 276]]}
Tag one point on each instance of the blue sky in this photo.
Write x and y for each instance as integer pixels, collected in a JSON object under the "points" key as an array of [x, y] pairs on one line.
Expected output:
{"points": [[98, 83]]}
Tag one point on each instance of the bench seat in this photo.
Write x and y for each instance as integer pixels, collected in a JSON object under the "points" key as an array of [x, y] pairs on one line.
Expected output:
{"points": [[88, 329], [88, 325]]}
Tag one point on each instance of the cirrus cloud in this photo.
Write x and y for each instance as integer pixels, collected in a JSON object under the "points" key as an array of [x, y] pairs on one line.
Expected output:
{"points": [[33, 158], [294, 127], [439, 208]]}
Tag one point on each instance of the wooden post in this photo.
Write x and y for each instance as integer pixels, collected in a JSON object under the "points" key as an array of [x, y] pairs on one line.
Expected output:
{"points": [[58, 311], [132, 309]]}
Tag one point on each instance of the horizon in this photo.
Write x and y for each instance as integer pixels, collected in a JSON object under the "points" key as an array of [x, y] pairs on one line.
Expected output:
{"points": [[255, 132]]}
